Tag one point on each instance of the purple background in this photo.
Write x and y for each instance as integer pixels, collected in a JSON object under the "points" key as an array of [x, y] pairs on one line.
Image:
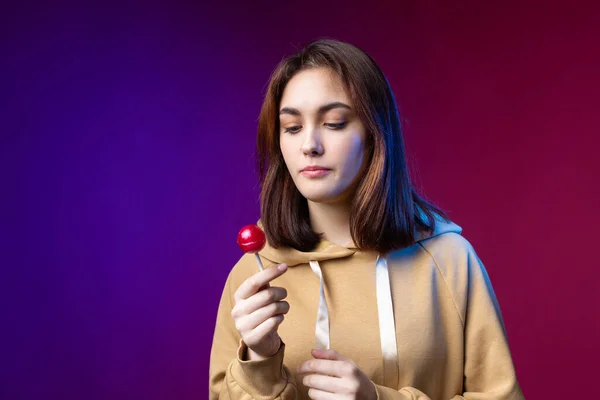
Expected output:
{"points": [[126, 142]]}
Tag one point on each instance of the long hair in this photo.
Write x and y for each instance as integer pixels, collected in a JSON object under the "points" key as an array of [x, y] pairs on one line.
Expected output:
{"points": [[385, 209]]}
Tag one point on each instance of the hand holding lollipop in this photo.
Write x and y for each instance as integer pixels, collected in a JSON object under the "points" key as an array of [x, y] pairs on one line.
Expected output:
{"points": [[259, 308]]}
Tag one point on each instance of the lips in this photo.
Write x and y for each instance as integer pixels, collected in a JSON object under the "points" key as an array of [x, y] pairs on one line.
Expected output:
{"points": [[314, 168], [315, 171]]}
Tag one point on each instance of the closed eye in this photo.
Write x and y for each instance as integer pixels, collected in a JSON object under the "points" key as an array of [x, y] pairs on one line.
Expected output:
{"points": [[336, 126], [292, 129], [296, 129]]}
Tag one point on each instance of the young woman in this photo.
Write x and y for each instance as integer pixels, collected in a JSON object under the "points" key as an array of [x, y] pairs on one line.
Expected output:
{"points": [[384, 298]]}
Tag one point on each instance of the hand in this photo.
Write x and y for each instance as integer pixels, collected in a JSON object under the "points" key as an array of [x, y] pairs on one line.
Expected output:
{"points": [[332, 376], [258, 312]]}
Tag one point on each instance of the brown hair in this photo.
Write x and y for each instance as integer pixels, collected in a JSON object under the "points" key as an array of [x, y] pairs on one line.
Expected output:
{"points": [[385, 208]]}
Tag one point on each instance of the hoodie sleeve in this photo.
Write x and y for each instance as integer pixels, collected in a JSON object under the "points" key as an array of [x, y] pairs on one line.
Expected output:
{"points": [[489, 372], [234, 378]]}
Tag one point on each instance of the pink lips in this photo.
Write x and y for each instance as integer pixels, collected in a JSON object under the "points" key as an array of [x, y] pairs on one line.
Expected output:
{"points": [[314, 171]]}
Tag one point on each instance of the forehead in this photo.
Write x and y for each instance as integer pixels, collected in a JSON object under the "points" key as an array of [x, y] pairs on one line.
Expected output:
{"points": [[311, 88]]}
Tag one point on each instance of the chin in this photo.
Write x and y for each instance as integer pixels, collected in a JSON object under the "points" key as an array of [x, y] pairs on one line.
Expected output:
{"points": [[321, 197]]}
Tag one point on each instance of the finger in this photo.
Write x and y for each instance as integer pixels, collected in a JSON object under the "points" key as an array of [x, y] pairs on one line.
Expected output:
{"points": [[328, 354], [265, 328], [258, 300], [253, 284], [316, 394], [336, 368], [261, 315], [325, 383]]}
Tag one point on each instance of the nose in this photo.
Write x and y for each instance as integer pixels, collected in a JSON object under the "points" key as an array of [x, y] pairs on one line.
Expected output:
{"points": [[312, 146]]}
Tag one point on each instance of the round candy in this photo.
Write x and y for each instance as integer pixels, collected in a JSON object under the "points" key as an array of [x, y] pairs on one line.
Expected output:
{"points": [[251, 239]]}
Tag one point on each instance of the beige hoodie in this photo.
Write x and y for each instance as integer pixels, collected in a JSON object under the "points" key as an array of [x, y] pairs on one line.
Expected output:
{"points": [[421, 322]]}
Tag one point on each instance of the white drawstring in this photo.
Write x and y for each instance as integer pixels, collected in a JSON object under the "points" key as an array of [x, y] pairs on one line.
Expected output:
{"points": [[387, 326], [322, 326]]}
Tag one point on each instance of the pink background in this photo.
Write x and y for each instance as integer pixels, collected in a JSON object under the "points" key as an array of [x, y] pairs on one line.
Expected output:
{"points": [[126, 143]]}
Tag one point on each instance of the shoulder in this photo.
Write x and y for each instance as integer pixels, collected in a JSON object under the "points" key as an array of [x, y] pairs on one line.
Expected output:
{"points": [[452, 253], [449, 253], [449, 248], [449, 244], [453, 256]]}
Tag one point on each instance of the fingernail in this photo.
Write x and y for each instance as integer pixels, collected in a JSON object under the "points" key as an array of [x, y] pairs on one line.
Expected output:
{"points": [[282, 267]]}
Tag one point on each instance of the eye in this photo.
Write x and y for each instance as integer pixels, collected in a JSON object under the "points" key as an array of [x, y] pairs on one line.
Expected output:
{"points": [[340, 125], [292, 129]]}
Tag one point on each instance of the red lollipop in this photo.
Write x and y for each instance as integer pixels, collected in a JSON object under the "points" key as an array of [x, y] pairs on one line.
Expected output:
{"points": [[251, 239]]}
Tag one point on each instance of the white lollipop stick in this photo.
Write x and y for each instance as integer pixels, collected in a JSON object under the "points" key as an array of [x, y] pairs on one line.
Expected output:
{"points": [[259, 262]]}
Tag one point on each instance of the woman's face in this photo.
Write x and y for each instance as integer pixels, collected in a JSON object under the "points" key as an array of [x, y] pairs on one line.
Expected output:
{"points": [[319, 127]]}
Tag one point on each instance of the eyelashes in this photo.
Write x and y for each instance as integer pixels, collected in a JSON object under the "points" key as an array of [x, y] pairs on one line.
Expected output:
{"points": [[296, 129], [337, 126], [293, 129]]}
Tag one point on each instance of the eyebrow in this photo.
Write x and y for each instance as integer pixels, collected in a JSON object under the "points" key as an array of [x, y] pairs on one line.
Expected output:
{"points": [[322, 109]]}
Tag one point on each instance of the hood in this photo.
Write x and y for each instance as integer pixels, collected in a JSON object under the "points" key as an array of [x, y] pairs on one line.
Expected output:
{"points": [[326, 250]]}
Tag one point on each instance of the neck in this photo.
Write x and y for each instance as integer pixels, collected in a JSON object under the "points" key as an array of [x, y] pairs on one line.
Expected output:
{"points": [[332, 220]]}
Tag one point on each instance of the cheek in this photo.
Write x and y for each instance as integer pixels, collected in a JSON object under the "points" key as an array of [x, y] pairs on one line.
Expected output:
{"points": [[290, 157], [353, 150], [284, 147]]}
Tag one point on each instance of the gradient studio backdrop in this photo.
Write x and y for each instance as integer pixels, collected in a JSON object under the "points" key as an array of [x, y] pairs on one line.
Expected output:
{"points": [[126, 142]]}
